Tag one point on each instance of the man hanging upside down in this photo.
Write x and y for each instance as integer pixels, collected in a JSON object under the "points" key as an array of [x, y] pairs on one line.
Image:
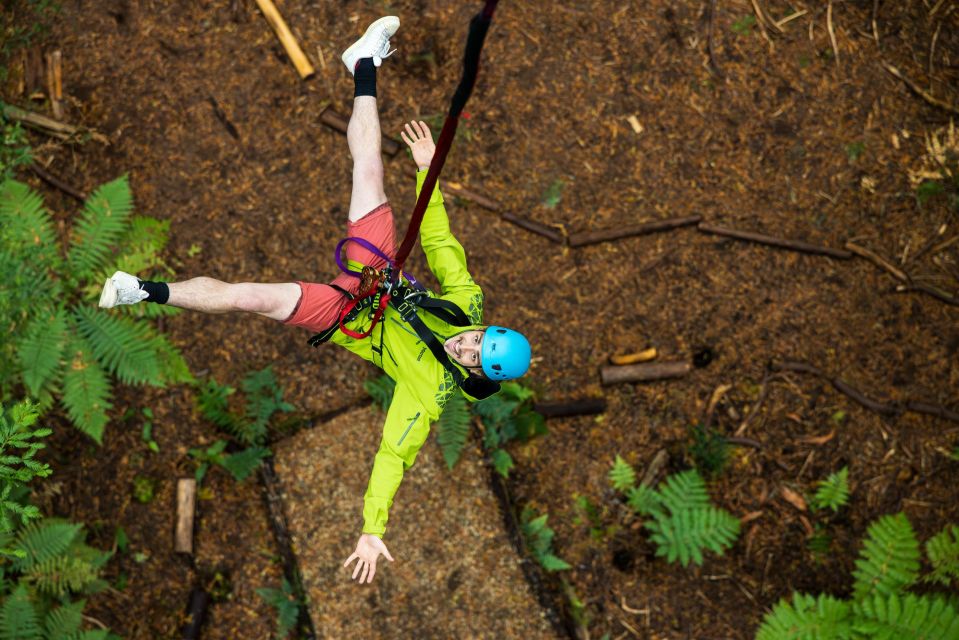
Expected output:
{"points": [[462, 351]]}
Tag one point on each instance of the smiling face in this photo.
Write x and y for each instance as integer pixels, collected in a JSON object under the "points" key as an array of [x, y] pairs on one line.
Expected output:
{"points": [[465, 348]]}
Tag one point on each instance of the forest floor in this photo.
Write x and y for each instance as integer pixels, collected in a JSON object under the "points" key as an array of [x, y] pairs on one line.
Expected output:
{"points": [[587, 116]]}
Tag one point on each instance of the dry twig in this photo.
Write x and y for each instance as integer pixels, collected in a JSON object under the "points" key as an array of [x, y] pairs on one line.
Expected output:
{"points": [[832, 33], [925, 95], [785, 243], [877, 260], [709, 40]]}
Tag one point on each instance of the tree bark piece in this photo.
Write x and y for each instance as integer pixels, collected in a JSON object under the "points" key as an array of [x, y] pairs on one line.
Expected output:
{"points": [[185, 509], [55, 82], [338, 122], [784, 243], [593, 237], [300, 61], [536, 227], [581, 407], [644, 372]]}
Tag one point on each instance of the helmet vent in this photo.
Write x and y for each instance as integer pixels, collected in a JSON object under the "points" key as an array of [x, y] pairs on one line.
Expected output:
{"points": [[496, 367], [501, 331]]}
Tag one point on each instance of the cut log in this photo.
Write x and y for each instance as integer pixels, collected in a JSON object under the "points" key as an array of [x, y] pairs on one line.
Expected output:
{"points": [[783, 243], [55, 83], [612, 374], [300, 61], [581, 407], [338, 122], [593, 237], [536, 227], [185, 508]]}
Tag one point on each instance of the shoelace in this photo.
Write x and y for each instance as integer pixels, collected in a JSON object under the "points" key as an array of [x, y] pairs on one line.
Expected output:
{"points": [[384, 45]]}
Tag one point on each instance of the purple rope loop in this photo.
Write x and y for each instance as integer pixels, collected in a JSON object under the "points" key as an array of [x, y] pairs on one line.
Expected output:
{"points": [[372, 248]]}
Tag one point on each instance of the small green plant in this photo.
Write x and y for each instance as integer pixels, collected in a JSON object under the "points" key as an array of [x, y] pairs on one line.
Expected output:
{"points": [[15, 149], [588, 513], [505, 416], [262, 398], [880, 607], [144, 489], [745, 24], [681, 520], [147, 433], [286, 604], [553, 194], [709, 450], [58, 344], [240, 464], [539, 540], [854, 150], [943, 553], [19, 443], [833, 492]]}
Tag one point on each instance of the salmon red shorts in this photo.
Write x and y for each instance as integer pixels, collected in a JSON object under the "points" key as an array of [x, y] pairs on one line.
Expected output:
{"points": [[320, 304]]}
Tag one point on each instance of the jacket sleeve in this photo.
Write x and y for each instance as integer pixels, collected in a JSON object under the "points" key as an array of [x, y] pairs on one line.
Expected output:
{"points": [[444, 253], [406, 429]]}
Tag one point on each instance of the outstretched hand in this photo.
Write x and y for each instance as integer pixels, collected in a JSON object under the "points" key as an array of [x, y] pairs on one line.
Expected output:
{"points": [[368, 550], [417, 136]]}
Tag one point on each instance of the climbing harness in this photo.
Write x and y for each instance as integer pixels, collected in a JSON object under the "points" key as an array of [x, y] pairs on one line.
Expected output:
{"points": [[380, 288]]}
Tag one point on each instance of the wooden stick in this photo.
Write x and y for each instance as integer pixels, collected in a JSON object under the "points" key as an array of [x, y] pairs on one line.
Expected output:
{"points": [[939, 294], [593, 237], [659, 461], [536, 227], [785, 243], [54, 181], [877, 260], [300, 61], [458, 190], [185, 508], [196, 612], [925, 95], [580, 407], [933, 410], [50, 126], [338, 122], [647, 371], [713, 62], [841, 386], [832, 33], [55, 83]]}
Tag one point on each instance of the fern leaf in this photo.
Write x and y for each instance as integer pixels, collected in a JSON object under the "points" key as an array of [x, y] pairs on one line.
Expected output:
{"points": [[889, 560], [381, 390], [891, 617], [18, 620], [833, 492], [642, 499], [124, 347], [62, 575], [683, 491], [554, 563], [807, 618], [40, 350], [173, 368], [213, 402], [242, 464], [502, 462], [286, 605], [622, 476], [23, 218], [685, 534], [64, 621], [454, 428], [43, 540], [943, 552], [86, 391], [102, 223]]}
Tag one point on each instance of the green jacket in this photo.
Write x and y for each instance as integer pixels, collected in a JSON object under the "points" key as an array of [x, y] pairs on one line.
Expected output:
{"points": [[423, 386]]}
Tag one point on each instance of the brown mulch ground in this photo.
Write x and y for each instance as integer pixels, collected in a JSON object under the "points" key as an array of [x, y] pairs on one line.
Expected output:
{"points": [[770, 146]]}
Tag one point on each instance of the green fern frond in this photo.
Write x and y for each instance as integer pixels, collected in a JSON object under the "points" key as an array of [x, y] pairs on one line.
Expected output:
{"points": [[264, 397], [496, 409], [24, 222], [642, 499], [286, 605], [242, 464], [213, 402], [454, 428], [686, 533], [102, 224], [381, 390], [62, 575], [148, 232], [40, 349], [833, 492], [43, 540], [124, 347], [943, 553], [622, 476], [683, 491], [891, 617], [86, 391], [64, 621], [539, 540], [18, 620], [173, 368], [502, 462], [807, 618], [889, 560]]}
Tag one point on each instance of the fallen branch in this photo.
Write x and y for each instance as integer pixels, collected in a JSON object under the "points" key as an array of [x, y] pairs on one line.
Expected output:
{"points": [[877, 260], [335, 121], [745, 442], [593, 237], [709, 40], [458, 190], [933, 291], [196, 612], [925, 95], [784, 243], [218, 112], [56, 182], [581, 407], [832, 32], [536, 227], [933, 410], [300, 61], [647, 371], [49, 126]]}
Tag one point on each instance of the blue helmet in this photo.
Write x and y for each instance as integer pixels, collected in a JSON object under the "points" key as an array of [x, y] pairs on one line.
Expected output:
{"points": [[505, 353]]}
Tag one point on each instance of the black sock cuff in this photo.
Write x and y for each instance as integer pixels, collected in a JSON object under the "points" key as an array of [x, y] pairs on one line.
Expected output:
{"points": [[364, 78], [157, 292]]}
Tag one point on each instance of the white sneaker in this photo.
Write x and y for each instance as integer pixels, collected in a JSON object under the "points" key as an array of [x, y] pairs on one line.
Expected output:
{"points": [[121, 288], [375, 43]]}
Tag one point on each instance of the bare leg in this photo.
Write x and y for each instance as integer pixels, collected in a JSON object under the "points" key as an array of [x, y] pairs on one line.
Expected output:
{"points": [[276, 300], [363, 136]]}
